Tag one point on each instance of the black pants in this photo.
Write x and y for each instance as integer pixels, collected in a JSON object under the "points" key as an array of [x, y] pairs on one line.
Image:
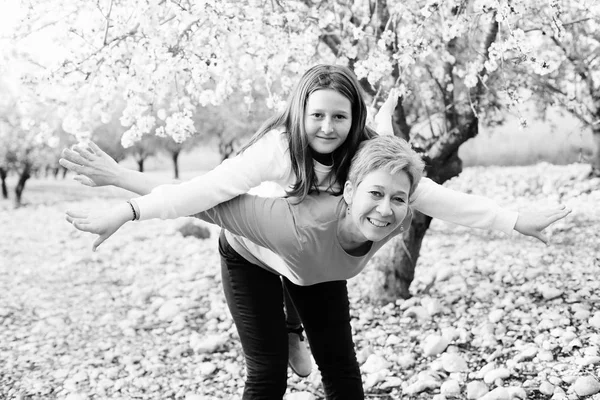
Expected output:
{"points": [[255, 295]]}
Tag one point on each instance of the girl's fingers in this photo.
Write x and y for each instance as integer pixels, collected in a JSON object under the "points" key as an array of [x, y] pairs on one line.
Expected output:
{"points": [[98, 242], [560, 214], [77, 214]]}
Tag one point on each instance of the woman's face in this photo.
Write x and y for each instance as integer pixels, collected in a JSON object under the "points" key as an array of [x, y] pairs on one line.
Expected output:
{"points": [[378, 205], [327, 120]]}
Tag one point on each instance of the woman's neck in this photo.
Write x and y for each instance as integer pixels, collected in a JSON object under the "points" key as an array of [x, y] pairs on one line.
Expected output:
{"points": [[351, 241]]}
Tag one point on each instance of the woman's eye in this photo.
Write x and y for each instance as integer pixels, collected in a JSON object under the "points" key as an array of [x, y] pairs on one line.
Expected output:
{"points": [[317, 115], [375, 193], [341, 117], [399, 199]]}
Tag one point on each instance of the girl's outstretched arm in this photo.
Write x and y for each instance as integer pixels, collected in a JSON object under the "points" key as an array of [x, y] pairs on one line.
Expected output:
{"points": [[96, 168], [532, 223], [102, 222]]}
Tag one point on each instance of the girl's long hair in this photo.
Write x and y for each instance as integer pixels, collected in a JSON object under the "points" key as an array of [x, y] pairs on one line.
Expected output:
{"points": [[323, 76]]}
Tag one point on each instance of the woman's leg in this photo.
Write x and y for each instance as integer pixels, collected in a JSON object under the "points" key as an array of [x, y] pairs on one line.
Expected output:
{"points": [[254, 296], [298, 353], [325, 313]]}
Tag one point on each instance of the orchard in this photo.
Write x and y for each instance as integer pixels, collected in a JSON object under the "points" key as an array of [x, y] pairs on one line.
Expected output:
{"points": [[146, 76]]}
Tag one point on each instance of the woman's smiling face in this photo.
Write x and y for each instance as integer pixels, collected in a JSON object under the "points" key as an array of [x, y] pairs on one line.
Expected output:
{"points": [[378, 204]]}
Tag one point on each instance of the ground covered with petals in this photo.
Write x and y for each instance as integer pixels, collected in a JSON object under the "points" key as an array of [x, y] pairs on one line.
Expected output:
{"points": [[144, 317]]}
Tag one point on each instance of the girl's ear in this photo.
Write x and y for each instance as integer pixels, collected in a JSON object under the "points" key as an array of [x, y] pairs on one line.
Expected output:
{"points": [[348, 192]]}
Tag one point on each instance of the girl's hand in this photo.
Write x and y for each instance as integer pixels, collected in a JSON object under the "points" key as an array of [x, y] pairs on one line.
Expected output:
{"points": [[102, 223], [532, 223], [93, 166]]}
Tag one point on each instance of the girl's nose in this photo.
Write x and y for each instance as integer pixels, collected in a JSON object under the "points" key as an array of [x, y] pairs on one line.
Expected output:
{"points": [[327, 126]]}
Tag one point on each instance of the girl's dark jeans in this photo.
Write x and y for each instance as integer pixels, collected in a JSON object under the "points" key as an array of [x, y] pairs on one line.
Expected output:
{"points": [[255, 296]]}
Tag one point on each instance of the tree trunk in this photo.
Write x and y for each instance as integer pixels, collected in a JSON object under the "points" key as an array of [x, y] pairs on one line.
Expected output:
{"points": [[23, 177], [3, 174], [140, 163], [595, 161], [226, 149], [399, 270], [175, 158], [443, 163]]}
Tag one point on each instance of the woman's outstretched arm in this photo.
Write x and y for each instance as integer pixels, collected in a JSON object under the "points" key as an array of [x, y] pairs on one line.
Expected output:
{"points": [[96, 168]]}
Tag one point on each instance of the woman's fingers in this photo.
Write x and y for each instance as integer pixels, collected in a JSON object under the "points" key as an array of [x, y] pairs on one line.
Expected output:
{"points": [[71, 166], [83, 151], [74, 156], [84, 180], [97, 150]]}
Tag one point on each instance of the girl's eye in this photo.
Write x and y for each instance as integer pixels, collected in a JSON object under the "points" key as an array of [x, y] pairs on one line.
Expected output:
{"points": [[341, 117], [317, 115]]}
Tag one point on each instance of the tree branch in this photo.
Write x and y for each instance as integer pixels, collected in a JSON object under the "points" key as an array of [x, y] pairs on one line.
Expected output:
{"points": [[107, 17], [447, 145]]}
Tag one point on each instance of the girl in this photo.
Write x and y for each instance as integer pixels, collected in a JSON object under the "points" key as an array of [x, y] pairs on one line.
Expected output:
{"points": [[317, 244], [307, 147]]}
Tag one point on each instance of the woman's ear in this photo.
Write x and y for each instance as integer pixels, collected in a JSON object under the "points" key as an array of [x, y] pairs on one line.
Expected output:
{"points": [[348, 192]]}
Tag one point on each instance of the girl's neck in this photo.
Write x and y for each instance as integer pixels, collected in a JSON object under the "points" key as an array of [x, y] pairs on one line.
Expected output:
{"points": [[325, 159]]}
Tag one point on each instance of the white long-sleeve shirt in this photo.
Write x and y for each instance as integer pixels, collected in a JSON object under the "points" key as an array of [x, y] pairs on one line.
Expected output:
{"points": [[268, 160]]}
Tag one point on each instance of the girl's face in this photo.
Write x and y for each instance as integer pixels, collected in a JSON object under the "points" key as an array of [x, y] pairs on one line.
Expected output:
{"points": [[378, 205], [327, 120]]}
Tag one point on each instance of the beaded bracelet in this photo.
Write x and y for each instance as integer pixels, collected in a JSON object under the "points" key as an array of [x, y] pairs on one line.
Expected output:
{"points": [[132, 209]]}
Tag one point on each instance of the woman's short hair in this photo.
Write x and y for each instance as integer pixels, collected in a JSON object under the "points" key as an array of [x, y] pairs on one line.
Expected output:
{"points": [[389, 153]]}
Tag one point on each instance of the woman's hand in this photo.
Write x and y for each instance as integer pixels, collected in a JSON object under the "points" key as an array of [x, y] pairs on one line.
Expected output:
{"points": [[93, 166], [532, 223], [102, 223], [383, 119]]}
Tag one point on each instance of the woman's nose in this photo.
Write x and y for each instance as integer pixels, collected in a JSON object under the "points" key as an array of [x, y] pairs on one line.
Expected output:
{"points": [[384, 208]]}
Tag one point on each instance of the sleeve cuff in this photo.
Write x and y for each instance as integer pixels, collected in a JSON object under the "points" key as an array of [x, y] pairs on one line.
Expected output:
{"points": [[506, 221]]}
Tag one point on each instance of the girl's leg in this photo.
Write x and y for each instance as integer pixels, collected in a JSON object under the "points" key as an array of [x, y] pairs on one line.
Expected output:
{"points": [[254, 296], [292, 319], [325, 313], [298, 353]]}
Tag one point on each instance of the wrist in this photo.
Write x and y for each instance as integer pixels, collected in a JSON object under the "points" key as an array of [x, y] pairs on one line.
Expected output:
{"points": [[120, 177], [123, 213], [135, 209]]}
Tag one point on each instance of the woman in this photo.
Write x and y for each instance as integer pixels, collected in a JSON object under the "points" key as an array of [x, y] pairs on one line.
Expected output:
{"points": [[315, 245]]}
